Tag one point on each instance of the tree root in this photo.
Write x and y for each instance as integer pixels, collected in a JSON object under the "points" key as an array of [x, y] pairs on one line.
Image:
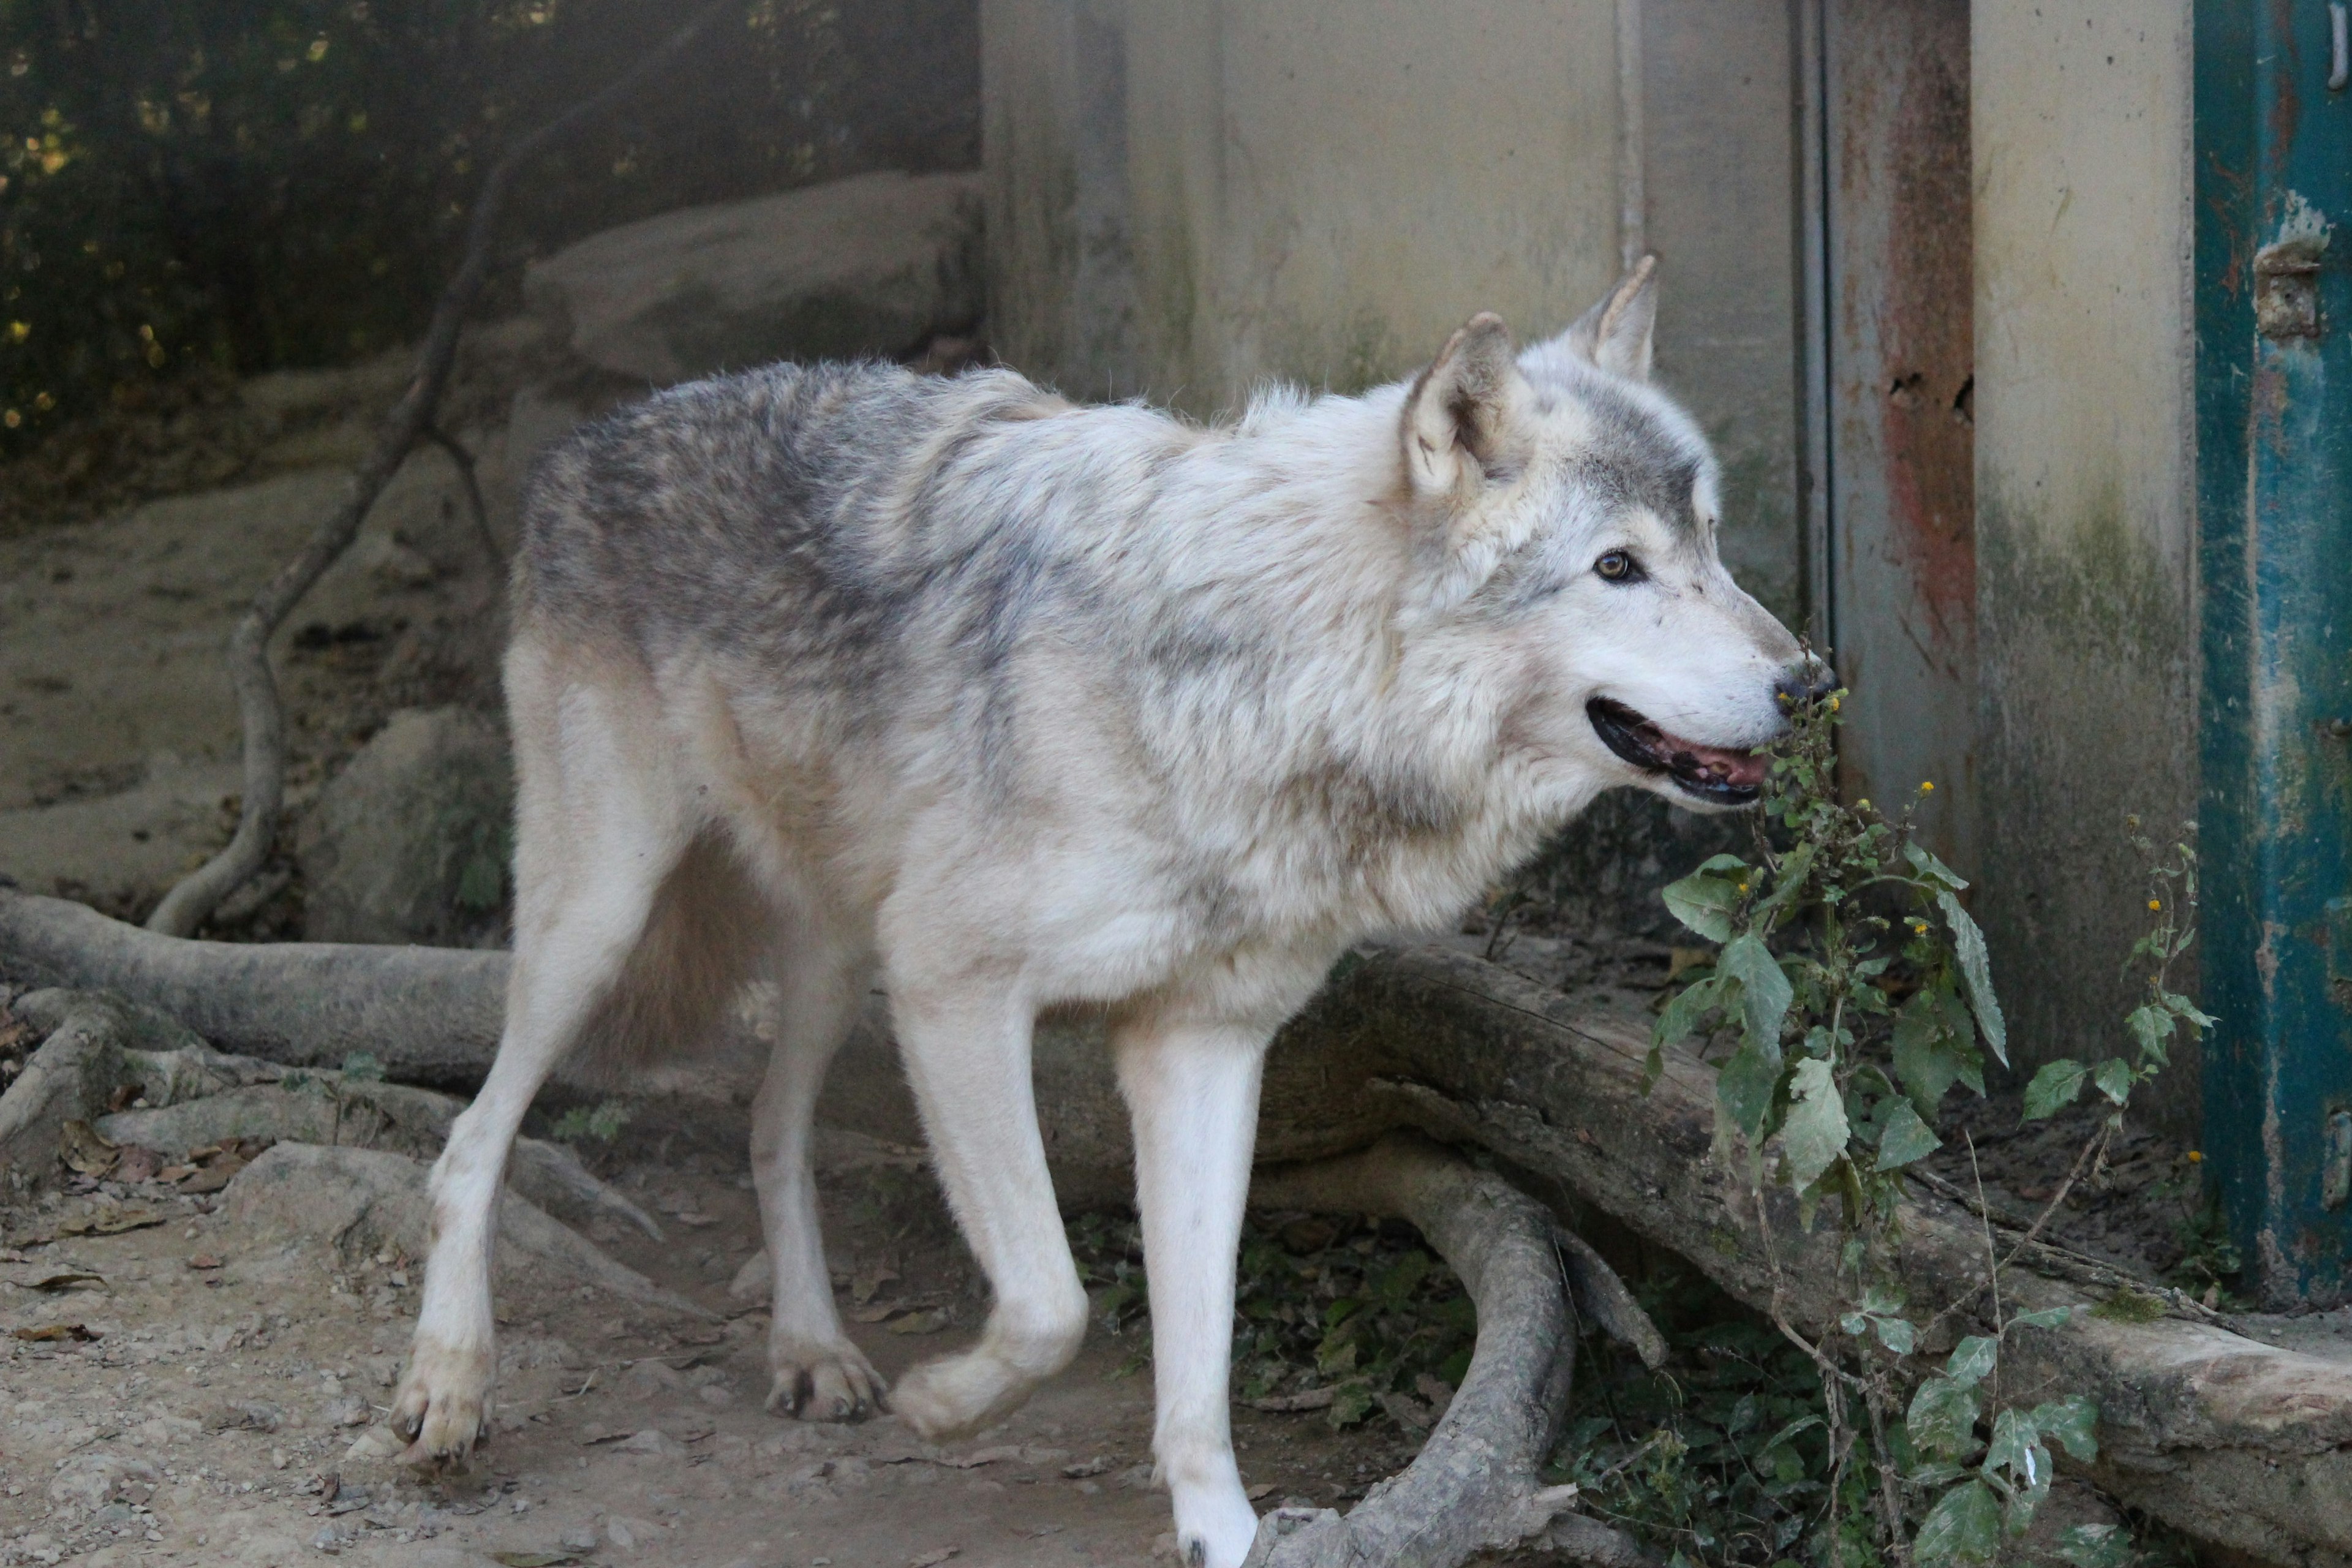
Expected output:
{"points": [[428, 1014], [1475, 1486], [99, 1045]]}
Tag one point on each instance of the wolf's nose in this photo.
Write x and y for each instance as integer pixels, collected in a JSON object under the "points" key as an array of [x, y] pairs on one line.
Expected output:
{"points": [[1805, 685]]}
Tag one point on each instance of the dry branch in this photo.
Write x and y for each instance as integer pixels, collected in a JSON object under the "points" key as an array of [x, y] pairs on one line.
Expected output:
{"points": [[2222, 1436], [196, 896]]}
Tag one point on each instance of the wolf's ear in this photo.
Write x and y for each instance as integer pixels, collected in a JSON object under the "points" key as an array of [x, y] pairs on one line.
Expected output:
{"points": [[1615, 334], [1459, 415]]}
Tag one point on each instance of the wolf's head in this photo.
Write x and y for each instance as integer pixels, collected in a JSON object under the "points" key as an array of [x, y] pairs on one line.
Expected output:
{"points": [[1566, 510]]}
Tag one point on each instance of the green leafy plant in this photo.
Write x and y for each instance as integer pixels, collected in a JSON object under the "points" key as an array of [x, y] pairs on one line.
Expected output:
{"points": [[600, 1122], [2156, 1023], [1852, 992]]}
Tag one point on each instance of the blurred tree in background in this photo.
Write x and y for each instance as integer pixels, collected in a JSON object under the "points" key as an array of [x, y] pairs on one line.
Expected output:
{"points": [[241, 185]]}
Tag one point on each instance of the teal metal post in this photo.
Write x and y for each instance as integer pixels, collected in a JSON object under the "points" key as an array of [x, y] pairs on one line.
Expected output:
{"points": [[2273, 182]]}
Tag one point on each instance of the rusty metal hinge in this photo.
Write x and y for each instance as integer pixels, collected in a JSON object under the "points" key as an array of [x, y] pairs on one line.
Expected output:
{"points": [[2287, 287]]}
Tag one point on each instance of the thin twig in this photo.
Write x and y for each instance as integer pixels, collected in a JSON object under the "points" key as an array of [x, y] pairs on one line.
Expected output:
{"points": [[196, 895], [1993, 1260], [466, 477]]}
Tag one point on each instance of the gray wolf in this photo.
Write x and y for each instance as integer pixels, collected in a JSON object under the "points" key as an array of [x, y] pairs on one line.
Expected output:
{"points": [[842, 676]]}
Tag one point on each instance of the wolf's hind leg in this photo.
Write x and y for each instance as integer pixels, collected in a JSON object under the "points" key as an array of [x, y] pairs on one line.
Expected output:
{"points": [[967, 1057], [817, 1372], [597, 835], [1193, 1094]]}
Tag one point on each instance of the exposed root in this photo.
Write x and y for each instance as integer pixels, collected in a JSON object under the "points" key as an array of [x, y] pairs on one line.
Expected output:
{"points": [[1475, 1486]]}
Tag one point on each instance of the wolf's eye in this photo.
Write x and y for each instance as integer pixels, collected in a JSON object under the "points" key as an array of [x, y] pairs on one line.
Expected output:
{"points": [[1618, 566]]}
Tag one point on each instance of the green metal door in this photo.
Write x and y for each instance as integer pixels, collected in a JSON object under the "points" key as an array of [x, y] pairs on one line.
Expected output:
{"points": [[2274, 179]]}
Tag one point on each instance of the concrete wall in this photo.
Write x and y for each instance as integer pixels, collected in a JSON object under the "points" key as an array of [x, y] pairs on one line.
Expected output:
{"points": [[1190, 196], [2085, 526]]}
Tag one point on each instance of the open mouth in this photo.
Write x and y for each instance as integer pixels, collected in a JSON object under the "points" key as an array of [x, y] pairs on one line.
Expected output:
{"points": [[1717, 774]]}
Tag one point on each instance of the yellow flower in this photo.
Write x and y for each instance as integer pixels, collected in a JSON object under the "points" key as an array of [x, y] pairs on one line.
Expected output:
{"points": [[1926, 787], [1862, 806], [2156, 903], [2195, 1158], [1833, 704]]}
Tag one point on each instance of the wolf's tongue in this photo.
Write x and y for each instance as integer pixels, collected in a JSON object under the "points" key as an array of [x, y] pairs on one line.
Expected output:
{"points": [[1719, 763]]}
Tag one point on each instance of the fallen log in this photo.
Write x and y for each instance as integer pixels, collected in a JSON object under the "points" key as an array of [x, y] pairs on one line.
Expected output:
{"points": [[2235, 1442]]}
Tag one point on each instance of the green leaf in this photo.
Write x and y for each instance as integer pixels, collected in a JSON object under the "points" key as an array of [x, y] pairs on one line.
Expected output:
{"points": [[1897, 1335], [1942, 1419], [1905, 1138], [1964, 1527], [1746, 1086], [1975, 969], [1932, 870], [2025, 1501], [1350, 1403], [2152, 1026], [2074, 1421], [1972, 1361], [361, 1067], [1789, 880], [2053, 1088], [1682, 1015], [1942, 1473], [2115, 1078], [1814, 1136], [2180, 1007], [1704, 900], [2048, 1317], [1764, 990], [2095, 1546], [2015, 1440], [1929, 1032], [1880, 1300]]}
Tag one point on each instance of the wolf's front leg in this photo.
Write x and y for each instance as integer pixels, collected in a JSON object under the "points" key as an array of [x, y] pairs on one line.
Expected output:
{"points": [[967, 1057], [1194, 1095]]}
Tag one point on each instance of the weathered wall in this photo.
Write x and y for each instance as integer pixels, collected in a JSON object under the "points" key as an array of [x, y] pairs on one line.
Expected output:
{"points": [[2084, 464], [1189, 198]]}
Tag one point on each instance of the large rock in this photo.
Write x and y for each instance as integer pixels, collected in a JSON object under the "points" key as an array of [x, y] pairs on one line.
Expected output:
{"points": [[874, 265], [409, 842]]}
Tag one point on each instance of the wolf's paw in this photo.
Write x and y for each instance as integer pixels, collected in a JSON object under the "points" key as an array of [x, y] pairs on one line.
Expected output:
{"points": [[822, 1380], [443, 1403], [959, 1394], [1214, 1529]]}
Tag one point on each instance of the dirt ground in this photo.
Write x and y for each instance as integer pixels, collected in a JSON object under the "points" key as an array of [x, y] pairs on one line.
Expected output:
{"points": [[211, 1417]]}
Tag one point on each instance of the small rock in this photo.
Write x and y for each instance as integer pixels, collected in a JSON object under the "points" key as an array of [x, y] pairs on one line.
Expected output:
{"points": [[579, 1537], [375, 1443], [628, 1534], [718, 1395], [348, 1411]]}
